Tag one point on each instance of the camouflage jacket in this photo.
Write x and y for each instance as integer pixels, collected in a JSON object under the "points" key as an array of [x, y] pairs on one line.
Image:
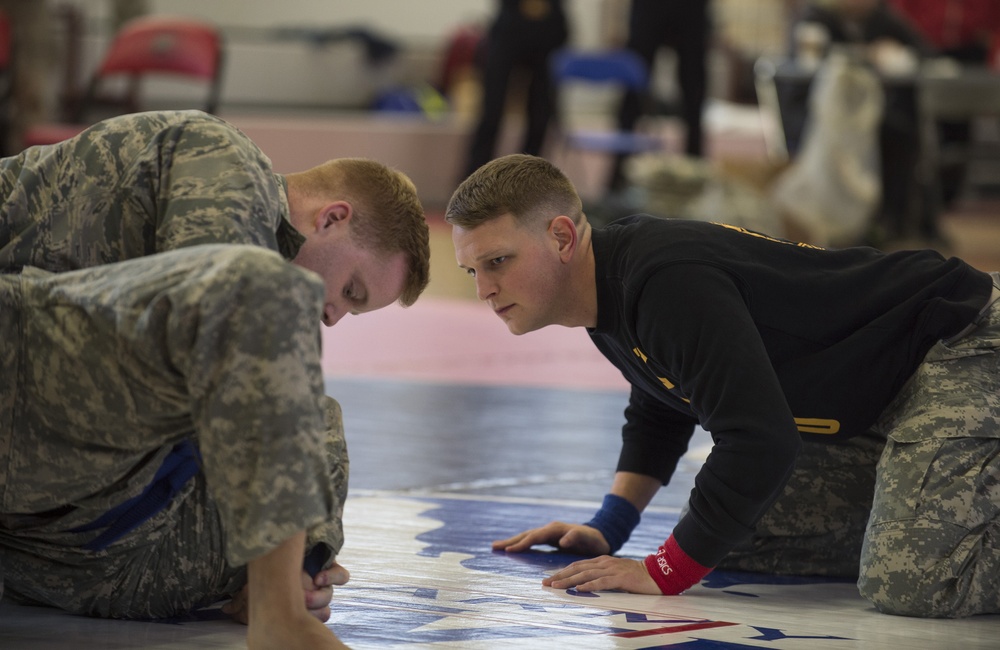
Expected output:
{"points": [[127, 188], [136, 185]]}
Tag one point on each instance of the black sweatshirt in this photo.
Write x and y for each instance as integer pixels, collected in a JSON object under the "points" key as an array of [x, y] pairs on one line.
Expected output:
{"points": [[761, 341]]}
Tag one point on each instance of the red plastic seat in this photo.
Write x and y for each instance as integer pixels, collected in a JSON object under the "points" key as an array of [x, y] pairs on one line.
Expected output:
{"points": [[144, 48]]}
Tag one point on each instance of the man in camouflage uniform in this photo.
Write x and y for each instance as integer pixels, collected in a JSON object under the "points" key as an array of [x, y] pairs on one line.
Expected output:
{"points": [[853, 396], [151, 317]]}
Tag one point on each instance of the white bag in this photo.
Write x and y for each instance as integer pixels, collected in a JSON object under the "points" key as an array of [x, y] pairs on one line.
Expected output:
{"points": [[832, 189]]}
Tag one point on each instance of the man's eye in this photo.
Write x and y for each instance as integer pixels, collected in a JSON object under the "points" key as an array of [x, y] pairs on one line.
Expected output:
{"points": [[471, 272], [496, 261]]}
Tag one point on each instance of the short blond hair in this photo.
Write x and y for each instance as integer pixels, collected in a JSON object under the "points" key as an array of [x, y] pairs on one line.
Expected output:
{"points": [[528, 188], [388, 216]]}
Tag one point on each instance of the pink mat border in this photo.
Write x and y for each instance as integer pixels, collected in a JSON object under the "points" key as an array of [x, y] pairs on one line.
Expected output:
{"points": [[458, 341]]}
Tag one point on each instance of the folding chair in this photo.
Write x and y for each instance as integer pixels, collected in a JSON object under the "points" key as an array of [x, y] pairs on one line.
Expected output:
{"points": [[145, 49], [616, 70]]}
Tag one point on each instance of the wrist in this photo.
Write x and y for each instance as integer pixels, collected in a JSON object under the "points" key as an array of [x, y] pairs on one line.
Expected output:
{"points": [[615, 520], [315, 559], [673, 570]]}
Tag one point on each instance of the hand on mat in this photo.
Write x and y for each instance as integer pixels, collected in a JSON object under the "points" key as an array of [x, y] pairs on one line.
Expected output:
{"points": [[603, 573], [239, 606], [573, 538], [319, 590], [318, 593]]}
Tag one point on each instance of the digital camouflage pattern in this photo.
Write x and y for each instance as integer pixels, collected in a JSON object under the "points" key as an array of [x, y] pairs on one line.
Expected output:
{"points": [[913, 508], [817, 524], [138, 185], [94, 386], [107, 368], [933, 543]]}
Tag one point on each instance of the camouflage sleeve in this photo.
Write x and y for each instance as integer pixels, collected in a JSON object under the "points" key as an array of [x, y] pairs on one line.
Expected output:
{"points": [[330, 533], [214, 186], [254, 376], [136, 185]]}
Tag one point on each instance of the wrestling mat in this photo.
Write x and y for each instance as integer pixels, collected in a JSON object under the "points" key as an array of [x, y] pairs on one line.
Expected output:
{"points": [[423, 577], [460, 434]]}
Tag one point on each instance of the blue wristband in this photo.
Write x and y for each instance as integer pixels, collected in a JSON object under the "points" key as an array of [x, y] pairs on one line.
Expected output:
{"points": [[616, 520]]}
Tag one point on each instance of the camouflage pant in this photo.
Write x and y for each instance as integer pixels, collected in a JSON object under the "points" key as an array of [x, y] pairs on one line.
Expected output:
{"points": [[921, 517], [103, 370], [817, 525]]}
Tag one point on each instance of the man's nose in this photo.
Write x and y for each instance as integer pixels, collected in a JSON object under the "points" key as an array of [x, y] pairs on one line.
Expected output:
{"points": [[485, 288], [331, 315]]}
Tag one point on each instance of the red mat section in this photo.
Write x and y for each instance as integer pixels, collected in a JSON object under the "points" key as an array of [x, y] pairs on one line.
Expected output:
{"points": [[458, 341]]}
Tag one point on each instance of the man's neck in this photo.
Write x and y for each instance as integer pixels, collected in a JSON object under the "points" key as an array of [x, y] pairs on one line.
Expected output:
{"points": [[584, 281], [300, 212]]}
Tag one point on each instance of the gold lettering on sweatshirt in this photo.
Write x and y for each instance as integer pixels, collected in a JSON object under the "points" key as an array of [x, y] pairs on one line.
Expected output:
{"points": [[819, 426], [760, 236]]}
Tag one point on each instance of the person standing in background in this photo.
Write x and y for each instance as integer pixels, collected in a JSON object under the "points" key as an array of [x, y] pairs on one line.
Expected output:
{"points": [[685, 26], [523, 35]]}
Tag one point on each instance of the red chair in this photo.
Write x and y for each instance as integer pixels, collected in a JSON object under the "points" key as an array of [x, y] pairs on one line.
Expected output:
{"points": [[4, 42], [145, 48]]}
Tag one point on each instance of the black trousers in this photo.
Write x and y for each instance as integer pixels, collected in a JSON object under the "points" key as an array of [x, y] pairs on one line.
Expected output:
{"points": [[517, 43], [684, 26]]}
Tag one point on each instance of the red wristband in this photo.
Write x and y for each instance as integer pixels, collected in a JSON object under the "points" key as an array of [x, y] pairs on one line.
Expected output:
{"points": [[673, 570]]}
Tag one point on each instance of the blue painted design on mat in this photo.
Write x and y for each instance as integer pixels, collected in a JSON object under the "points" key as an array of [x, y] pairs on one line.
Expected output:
{"points": [[391, 615], [470, 527], [704, 644], [774, 634]]}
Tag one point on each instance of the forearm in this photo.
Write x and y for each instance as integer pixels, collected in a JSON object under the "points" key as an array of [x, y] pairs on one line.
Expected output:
{"points": [[278, 617], [274, 581], [654, 438], [638, 489], [261, 440]]}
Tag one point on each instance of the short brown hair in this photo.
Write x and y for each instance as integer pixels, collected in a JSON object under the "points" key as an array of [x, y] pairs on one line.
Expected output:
{"points": [[388, 216], [526, 187]]}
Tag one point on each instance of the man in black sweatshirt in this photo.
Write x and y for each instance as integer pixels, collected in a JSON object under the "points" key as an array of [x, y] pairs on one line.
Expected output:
{"points": [[805, 365]]}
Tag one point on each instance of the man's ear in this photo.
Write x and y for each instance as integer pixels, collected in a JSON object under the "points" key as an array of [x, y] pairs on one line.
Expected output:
{"points": [[564, 232], [332, 214]]}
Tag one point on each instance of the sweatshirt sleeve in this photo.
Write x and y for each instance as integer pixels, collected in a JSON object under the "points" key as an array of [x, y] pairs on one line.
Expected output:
{"points": [[695, 325], [654, 437]]}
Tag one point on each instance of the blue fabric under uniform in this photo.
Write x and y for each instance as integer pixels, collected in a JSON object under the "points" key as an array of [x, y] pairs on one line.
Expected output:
{"points": [[180, 466]]}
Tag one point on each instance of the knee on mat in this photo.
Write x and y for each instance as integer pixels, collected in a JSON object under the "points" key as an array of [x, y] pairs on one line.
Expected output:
{"points": [[899, 580], [903, 594]]}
